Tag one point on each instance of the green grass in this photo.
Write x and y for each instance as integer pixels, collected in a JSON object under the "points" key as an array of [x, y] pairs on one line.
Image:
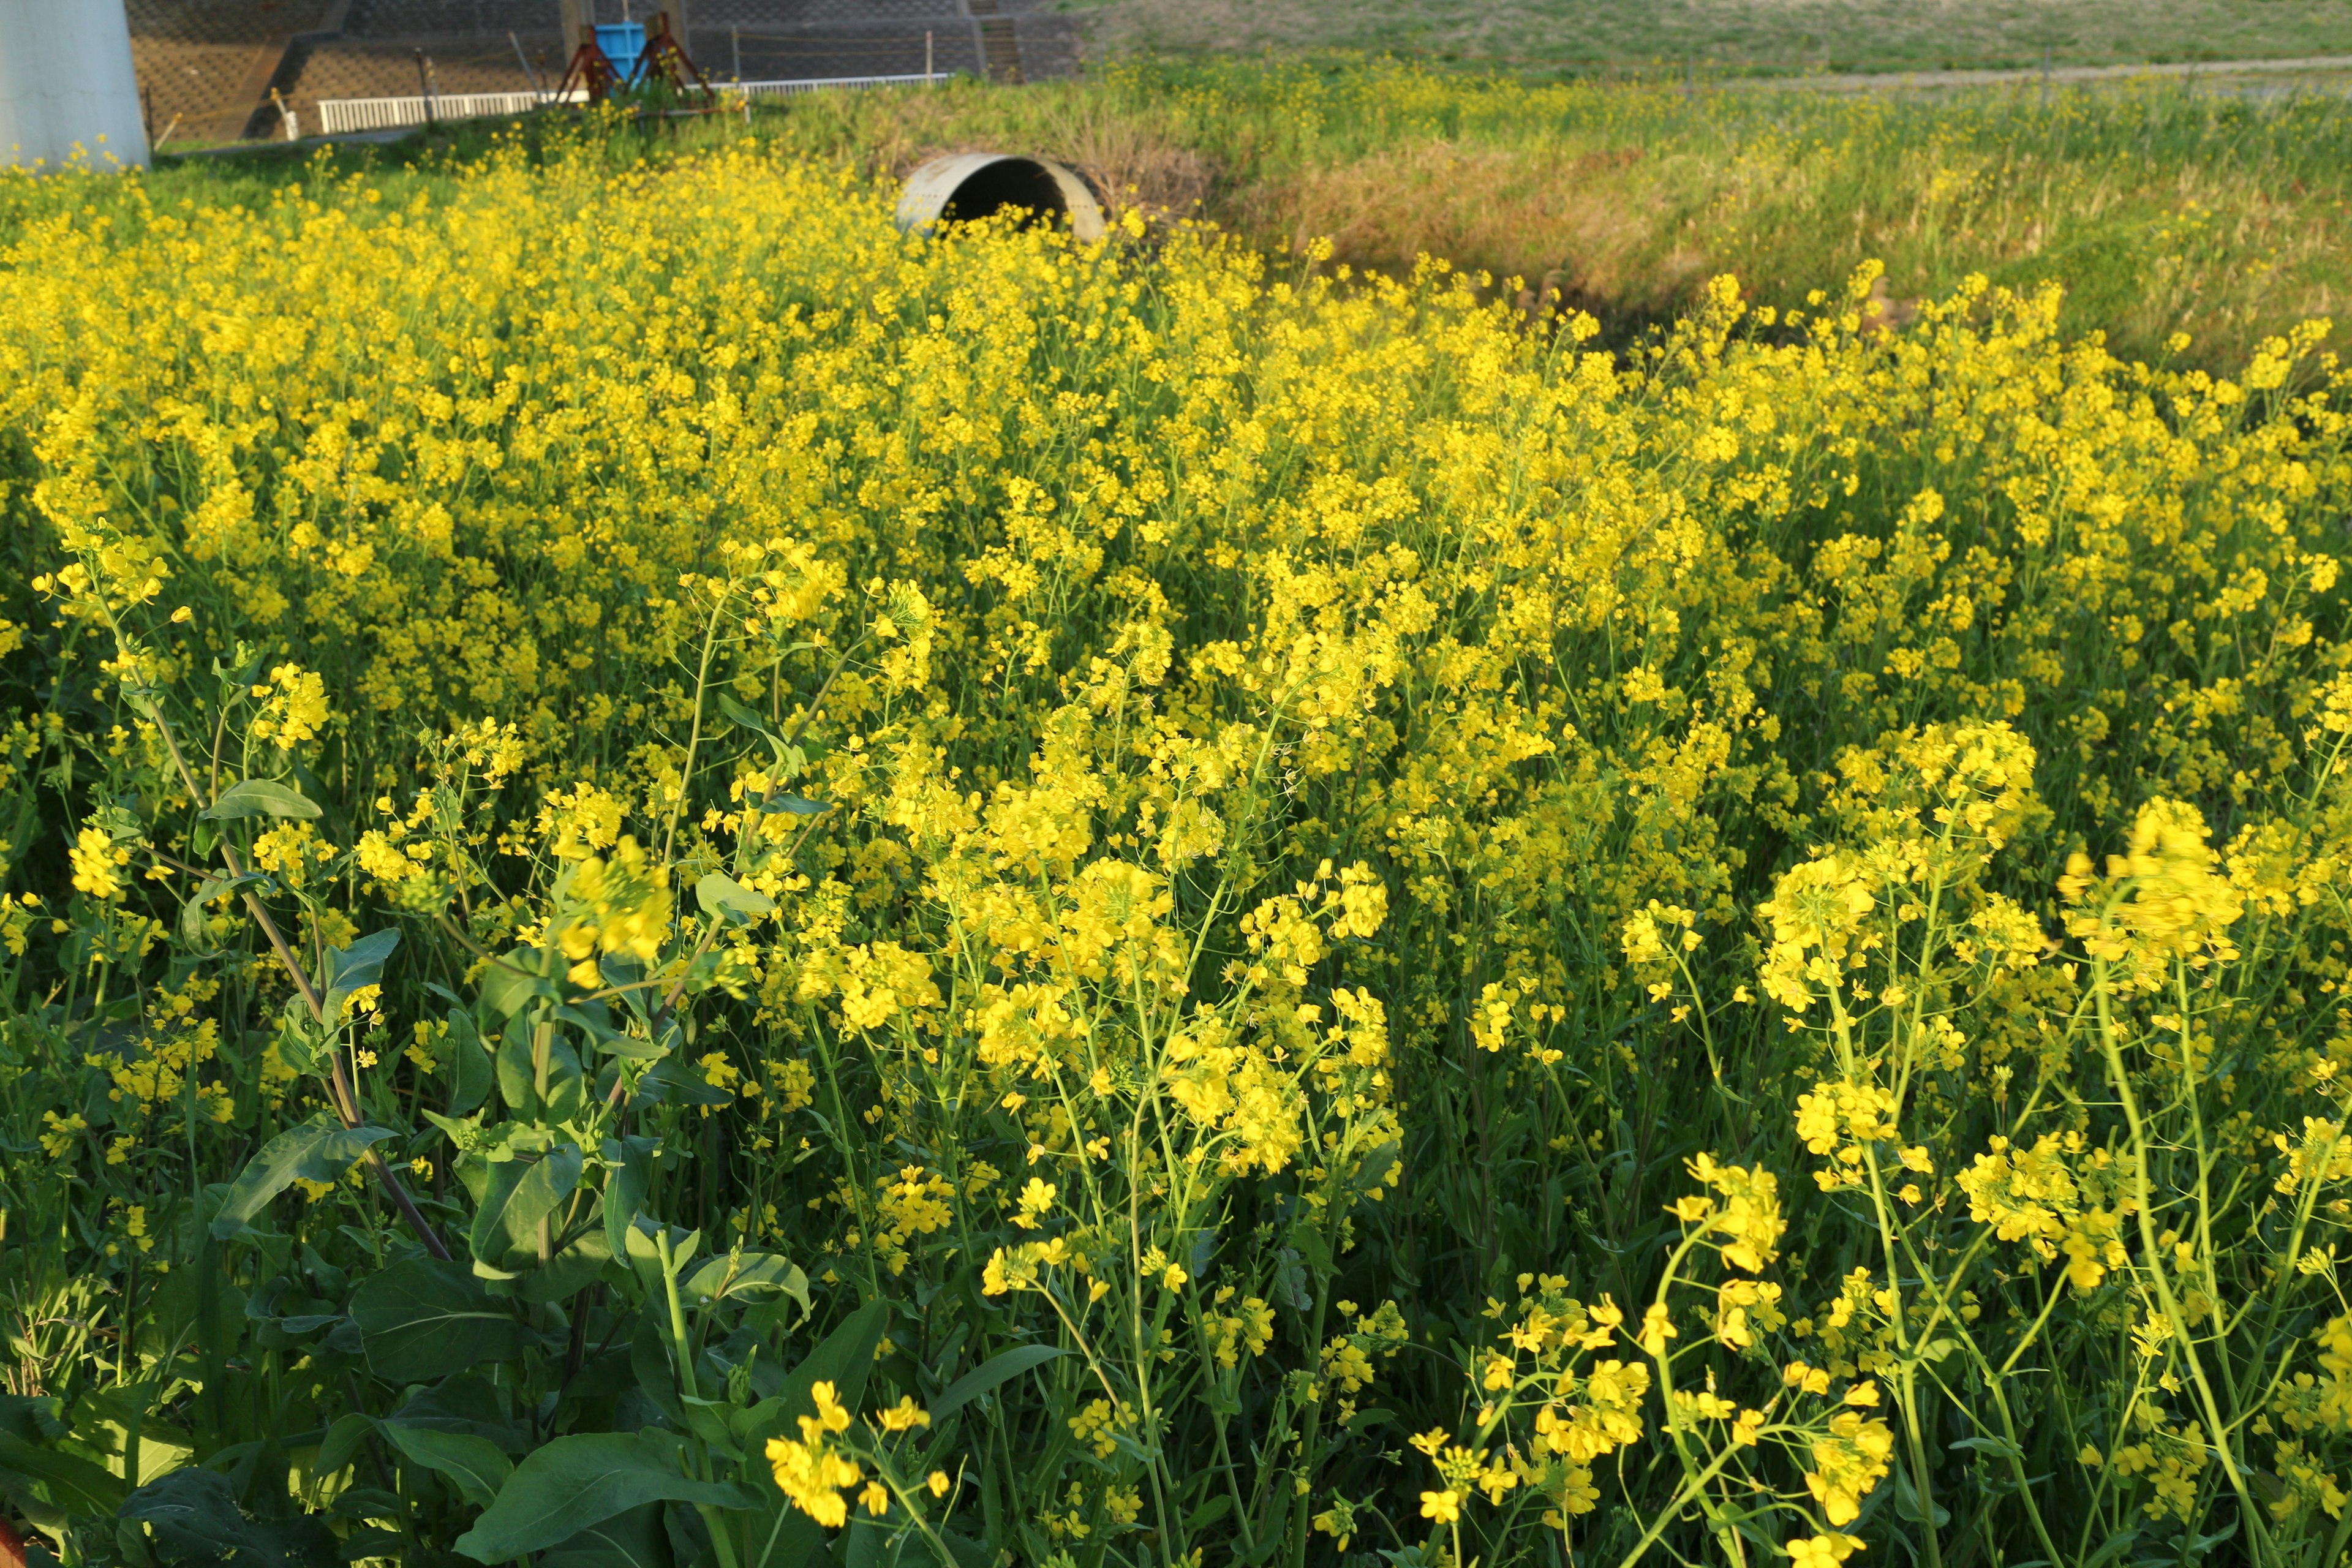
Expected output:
{"points": [[1865, 35], [2161, 209]]}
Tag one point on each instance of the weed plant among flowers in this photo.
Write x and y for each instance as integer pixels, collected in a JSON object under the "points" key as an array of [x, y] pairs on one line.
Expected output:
{"points": [[688, 882]]}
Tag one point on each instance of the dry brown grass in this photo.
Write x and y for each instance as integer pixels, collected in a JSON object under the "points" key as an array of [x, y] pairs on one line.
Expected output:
{"points": [[1601, 218]]}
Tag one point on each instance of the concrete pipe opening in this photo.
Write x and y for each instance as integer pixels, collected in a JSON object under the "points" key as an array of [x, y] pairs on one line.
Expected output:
{"points": [[963, 187]]}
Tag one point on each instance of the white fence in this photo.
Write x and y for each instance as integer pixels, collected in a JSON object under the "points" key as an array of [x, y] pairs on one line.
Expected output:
{"points": [[824, 83], [337, 115]]}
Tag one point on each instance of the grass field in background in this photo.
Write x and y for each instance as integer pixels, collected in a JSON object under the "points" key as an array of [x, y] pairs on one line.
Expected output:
{"points": [[1842, 34], [2161, 209]]}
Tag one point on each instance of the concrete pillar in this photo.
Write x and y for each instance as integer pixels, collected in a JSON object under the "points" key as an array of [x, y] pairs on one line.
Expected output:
{"points": [[66, 82]]}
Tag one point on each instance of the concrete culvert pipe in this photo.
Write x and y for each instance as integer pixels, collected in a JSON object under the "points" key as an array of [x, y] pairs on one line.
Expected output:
{"points": [[966, 185]]}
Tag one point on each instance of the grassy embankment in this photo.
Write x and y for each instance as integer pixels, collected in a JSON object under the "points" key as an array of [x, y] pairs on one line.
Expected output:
{"points": [[1748, 35], [2161, 210]]}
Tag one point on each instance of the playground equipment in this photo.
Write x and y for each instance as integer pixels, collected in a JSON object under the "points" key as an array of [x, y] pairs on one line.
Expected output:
{"points": [[623, 44], [962, 186], [643, 59]]}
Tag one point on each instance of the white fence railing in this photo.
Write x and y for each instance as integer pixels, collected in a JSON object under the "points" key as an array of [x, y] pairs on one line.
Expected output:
{"points": [[339, 115], [824, 83]]}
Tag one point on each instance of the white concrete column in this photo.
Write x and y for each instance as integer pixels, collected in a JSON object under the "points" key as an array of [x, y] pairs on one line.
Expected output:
{"points": [[67, 83]]}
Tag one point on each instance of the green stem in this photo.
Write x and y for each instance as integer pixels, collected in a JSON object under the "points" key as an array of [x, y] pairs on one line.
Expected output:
{"points": [[2144, 1193]]}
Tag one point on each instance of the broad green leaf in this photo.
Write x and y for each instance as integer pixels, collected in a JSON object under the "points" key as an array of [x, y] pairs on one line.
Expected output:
{"points": [[631, 1540], [473, 1464], [568, 1272], [259, 797], [353, 968], [630, 1162], [862, 1545], [752, 1274], [729, 900], [670, 1081], [518, 1076], [574, 1483], [641, 1244], [74, 1484], [341, 1444], [423, 1318], [793, 805], [317, 1151], [997, 1369], [195, 1519], [467, 1064], [786, 1538], [32, 1419], [594, 1020], [471, 1402], [845, 1359], [522, 1194], [968, 1553], [512, 980], [192, 913]]}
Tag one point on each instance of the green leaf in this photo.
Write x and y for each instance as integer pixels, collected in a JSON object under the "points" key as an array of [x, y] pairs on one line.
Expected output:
{"points": [[259, 797], [968, 1553], [568, 1272], [670, 1081], [630, 1162], [425, 1317], [861, 1545], [1208, 1513], [754, 1274], [75, 1485], [511, 981], [738, 714], [354, 968], [473, 1463], [192, 913], [523, 1193], [795, 805], [32, 1419], [997, 1369], [722, 895], [786, 1538], [843, 1360], [317, 1149], [194, 1515], [631, 1540], [574, 1483], [341, 1444], [641, 1244], [518, 1076], [469, 1065]]}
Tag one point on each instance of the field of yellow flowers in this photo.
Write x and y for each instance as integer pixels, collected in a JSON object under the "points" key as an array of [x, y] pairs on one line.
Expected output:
{"points": [[687, 882]]}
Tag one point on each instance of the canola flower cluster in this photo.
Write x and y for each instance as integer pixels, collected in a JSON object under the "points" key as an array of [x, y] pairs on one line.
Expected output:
{"points": [[1754, 898]]}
